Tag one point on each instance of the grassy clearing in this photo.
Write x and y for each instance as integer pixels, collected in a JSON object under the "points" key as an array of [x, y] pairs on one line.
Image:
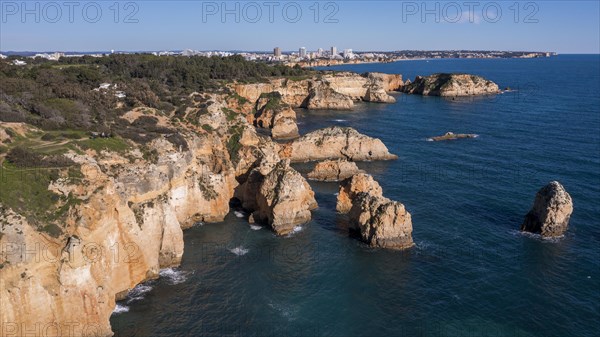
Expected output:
{"points": [[114, 144], [26, 190]]}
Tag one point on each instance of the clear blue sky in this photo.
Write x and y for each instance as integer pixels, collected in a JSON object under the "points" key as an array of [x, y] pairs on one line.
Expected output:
{"points": [[561, 26]]}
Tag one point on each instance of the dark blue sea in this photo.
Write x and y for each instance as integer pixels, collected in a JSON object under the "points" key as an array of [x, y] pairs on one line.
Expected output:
{"points": [[472, 273]]}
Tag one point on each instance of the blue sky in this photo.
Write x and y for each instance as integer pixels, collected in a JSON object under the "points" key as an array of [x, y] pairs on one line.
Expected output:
{"points": [[561, 26]]}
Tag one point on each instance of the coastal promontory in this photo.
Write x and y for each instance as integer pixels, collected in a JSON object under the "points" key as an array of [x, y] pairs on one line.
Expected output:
{"points": [[451, 85], [336, 143]]}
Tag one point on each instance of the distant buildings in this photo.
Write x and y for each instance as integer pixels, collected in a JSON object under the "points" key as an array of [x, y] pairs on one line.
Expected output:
{"points": [[19, 63], [320, 52], [51, 57], [190, 52], [277, 52], [3, 56], [302, 52], [333, 51], [348, 54]]}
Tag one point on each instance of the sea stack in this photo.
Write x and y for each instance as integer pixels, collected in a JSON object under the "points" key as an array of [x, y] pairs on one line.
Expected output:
{"points": [[376, 220], [550, 213], [284, 199], [381, 222]]}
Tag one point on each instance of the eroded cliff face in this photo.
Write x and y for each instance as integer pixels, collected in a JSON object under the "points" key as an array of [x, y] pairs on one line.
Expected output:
{"points": [[331, 91], [131, 206], [127, 227], [276, 116]]}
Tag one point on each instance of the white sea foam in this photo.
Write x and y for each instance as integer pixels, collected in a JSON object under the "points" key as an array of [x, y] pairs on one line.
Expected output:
{"points": [[535, 236], [287, 311], [430, 139], [174, 276], [340, 120], [138, 293], [239, 251], [119, 308], [296, 229], [255, 227], [198, 224], [336, 193], [239, 214]]}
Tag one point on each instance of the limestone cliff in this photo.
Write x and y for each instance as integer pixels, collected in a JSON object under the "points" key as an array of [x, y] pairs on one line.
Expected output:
{"points": [[127, 226], [329, 91], [276, 116], [123, 209]]}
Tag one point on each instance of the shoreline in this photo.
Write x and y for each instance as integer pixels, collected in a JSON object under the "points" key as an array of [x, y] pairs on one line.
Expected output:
{"points": [[308, 66]]}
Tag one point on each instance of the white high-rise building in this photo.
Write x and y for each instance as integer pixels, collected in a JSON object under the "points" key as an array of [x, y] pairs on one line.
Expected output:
{"points": [[333, 51], [348, 53], [277, 52], [302, 52], [320, 52]]}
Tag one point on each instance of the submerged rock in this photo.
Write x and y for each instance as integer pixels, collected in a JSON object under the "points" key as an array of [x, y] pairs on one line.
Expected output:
{"points": [[452, 136], [551, 211], [336, 143], [352, 187], [451, 85], [333, 170], [381, 222]]}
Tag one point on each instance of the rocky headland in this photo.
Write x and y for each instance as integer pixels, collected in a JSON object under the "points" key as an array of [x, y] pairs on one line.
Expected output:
{"points": [[450, 85], [336, 143], [338, 91], [549, 216]]}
